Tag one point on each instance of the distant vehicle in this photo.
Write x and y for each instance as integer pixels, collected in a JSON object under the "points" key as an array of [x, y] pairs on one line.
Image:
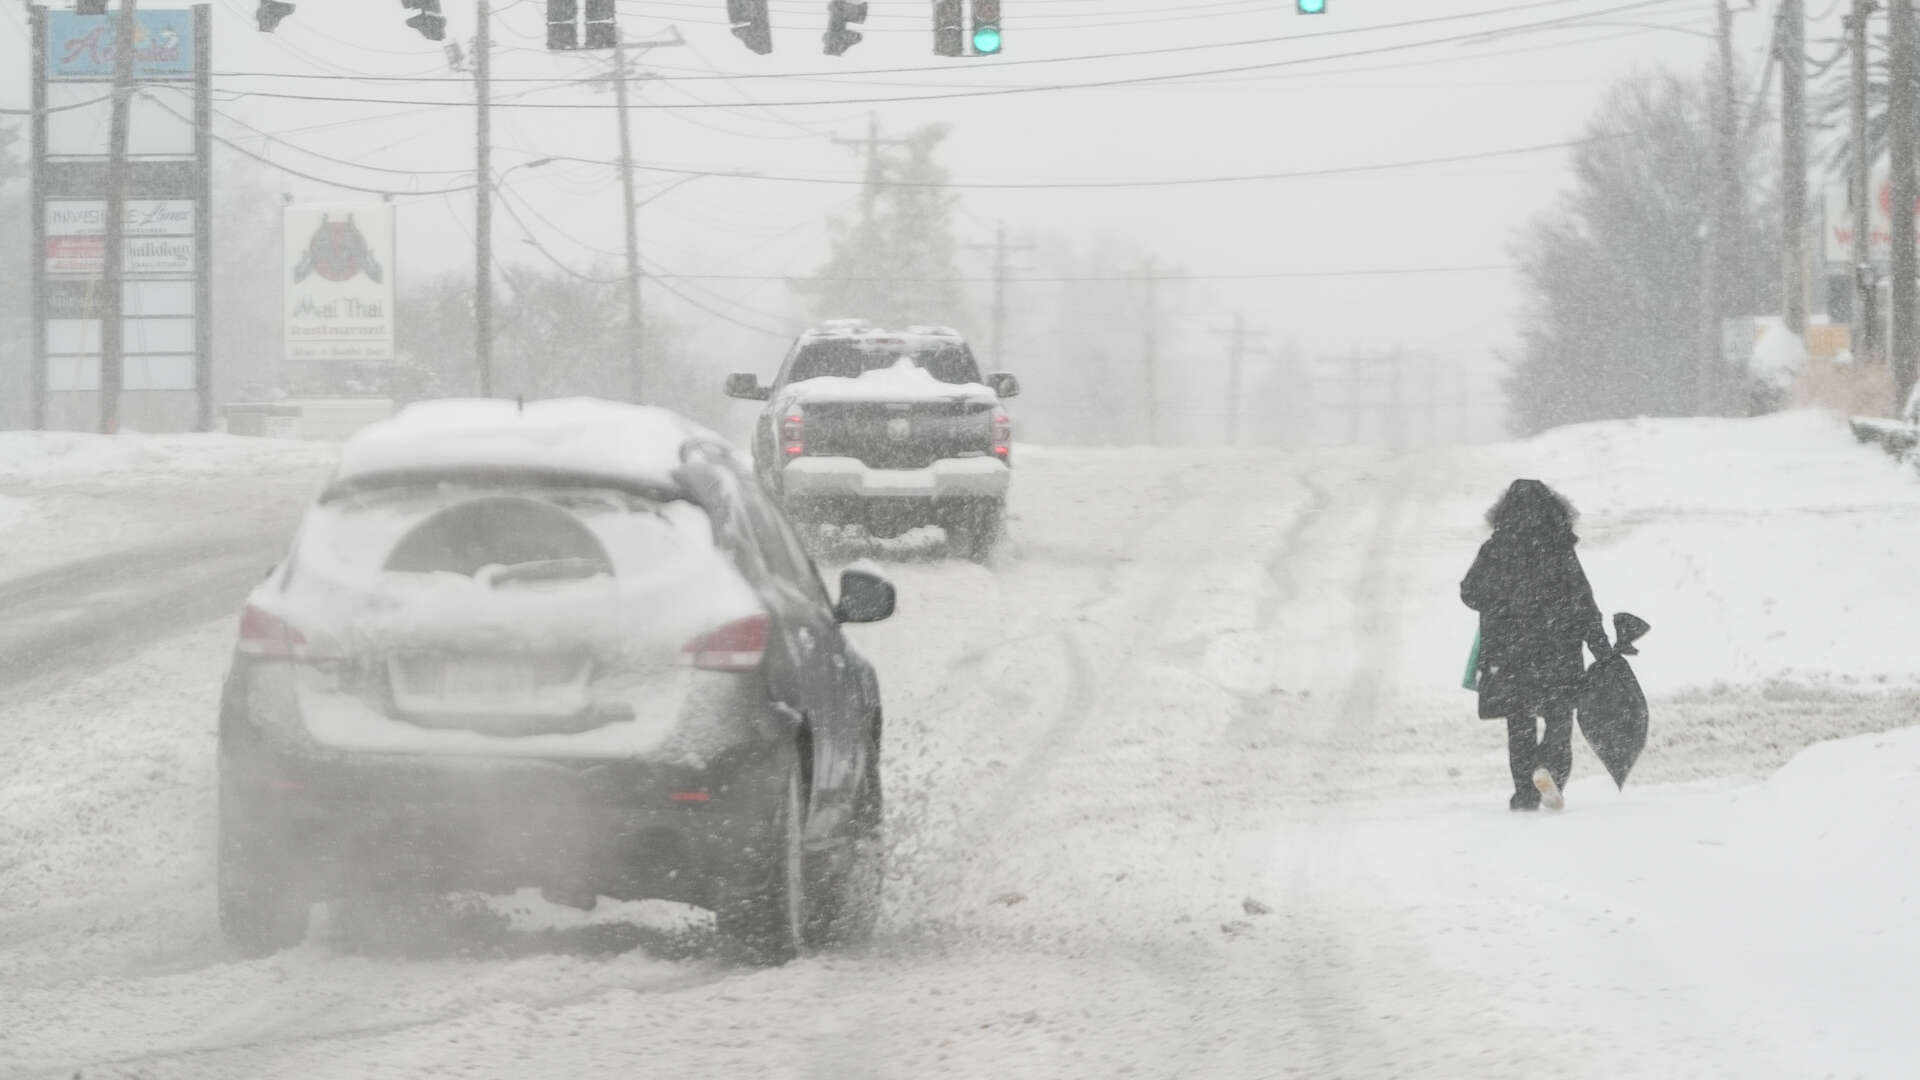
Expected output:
{"points": [[573, 645], [888, 430]]}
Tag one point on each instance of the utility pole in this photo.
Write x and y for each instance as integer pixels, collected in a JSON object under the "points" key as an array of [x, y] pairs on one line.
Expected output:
{"points": [[1793, 161], [1000, 249], [636, 347], [876, 168], [483, 204], [1150, 351], [1237, 337], [1865, 331], [1718, 223], [112, 257], [1900, 118]]}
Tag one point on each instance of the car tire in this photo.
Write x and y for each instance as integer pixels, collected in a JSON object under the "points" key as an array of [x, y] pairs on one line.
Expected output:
{"points": [[974, 531], [847, 907], [262, 907], [767, 926]]}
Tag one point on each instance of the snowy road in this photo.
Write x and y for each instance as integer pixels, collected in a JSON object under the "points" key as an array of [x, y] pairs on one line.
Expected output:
{"points": [[1179, 787]]}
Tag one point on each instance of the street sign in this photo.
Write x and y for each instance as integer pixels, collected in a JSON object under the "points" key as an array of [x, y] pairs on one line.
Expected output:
{"points": [[81, 47]]}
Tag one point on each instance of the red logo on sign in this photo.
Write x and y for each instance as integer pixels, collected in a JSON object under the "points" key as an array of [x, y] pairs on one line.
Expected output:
{"points": [[337, 252]]}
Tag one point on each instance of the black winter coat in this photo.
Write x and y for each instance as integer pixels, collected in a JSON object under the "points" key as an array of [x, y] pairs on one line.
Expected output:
{"points": [[1536, 608]]}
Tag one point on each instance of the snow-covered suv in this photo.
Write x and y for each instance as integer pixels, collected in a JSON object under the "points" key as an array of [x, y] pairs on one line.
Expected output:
{"points": [[886, 429]]}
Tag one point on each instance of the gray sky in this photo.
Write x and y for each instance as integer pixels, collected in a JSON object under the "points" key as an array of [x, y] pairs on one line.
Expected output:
{"points": [[1414, 96]]}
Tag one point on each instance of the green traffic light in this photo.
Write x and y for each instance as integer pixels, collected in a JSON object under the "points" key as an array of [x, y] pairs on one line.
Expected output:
{"points": [[986, 40], [1313, 7]]}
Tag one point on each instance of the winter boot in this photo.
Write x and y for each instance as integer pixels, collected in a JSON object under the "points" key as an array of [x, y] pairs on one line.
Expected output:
{"points": [[1550, 796], [1524, 801]]}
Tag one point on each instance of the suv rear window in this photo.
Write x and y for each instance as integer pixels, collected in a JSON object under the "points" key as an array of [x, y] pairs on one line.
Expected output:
{"points": [[853, 358]]}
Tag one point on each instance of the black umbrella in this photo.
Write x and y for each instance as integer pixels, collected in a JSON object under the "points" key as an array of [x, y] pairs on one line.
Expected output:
{"points": [[1612, 708]]}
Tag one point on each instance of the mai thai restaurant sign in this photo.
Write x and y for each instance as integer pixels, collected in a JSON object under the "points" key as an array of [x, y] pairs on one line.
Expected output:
{"points": [[338, 268]]}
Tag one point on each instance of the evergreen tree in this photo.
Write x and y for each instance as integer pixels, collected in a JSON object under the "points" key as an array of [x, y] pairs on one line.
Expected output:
{"points": [[894, 262]]}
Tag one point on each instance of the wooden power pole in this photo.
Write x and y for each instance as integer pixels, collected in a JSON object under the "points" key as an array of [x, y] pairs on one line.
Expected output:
{"points": [[483, 204], [1237, 336], [1865, 331], [1900, 118], [1793, 161], [112, 256], [1001, 268], [636, 324]]}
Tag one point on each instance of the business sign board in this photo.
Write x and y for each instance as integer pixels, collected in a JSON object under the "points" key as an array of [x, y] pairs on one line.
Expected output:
{"points": [[1838, 224], [144, 217], [82, 47], [159, 236], [86, 255], [338, 264]]}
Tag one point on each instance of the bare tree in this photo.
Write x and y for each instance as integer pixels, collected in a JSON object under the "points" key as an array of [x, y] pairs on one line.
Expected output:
{"points": [[1613, 276]]}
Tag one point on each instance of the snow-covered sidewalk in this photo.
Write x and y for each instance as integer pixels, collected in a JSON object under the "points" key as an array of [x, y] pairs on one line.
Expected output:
{"points": [[67, 496]]}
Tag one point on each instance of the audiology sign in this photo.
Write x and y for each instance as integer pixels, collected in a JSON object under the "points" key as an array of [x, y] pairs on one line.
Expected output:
{"points": [[339, 283], [82, 47]]}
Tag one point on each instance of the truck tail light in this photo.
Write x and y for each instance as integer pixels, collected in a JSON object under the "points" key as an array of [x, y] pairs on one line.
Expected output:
{"points": [[1002, 435], [793, 435]]}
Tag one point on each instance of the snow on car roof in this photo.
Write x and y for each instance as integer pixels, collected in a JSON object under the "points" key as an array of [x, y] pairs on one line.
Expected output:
{"points": [[633, 444]]}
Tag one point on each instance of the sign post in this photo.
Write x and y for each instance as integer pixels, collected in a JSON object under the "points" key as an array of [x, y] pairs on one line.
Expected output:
{"points": [[164, 255]]}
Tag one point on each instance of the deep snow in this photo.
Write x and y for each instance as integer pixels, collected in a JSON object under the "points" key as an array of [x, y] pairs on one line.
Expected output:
{"points": [[1192, 680]]}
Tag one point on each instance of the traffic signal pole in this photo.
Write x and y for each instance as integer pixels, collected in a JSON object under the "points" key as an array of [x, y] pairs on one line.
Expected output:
{"points": [[483, 204]]}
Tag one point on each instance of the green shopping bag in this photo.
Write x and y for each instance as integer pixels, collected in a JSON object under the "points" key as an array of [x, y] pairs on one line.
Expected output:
{"points": [[1471, 680]]}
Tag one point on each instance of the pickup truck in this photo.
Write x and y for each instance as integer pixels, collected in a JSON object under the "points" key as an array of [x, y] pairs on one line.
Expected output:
{"points": [[888, 430]]}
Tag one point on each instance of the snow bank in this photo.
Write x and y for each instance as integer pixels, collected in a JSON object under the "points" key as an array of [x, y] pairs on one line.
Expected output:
{"points": [[1778, 356], [1768, 551], [576, 435], [47, 458], [904, 381]]}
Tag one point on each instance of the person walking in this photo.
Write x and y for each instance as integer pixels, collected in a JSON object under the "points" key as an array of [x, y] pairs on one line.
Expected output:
{"points": [[1536, 609]]}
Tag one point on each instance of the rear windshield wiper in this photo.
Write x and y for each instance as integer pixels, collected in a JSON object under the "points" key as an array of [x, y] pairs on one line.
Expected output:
{"points": [[543, 570]]}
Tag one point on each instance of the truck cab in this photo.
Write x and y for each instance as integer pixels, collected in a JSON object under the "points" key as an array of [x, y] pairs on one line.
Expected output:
{"points": [[888, 430]]}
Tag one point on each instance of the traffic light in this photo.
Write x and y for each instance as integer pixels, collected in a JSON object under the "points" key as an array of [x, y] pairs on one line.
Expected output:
{"points": [[270, 14], [838, 38], [986, 27], [602, 32], [1312, 7], [750, 25], [431, 24], [949, 35], [563, 25]]}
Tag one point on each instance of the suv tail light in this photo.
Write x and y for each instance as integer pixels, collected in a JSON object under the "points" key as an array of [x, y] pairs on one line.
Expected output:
{"points": [[1002, 434], [270, 637], [738, 646], [793, 435]]}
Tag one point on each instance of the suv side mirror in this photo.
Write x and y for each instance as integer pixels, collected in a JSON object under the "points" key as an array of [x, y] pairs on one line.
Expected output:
{"points": [[1004, 384], [864, 597], [745, 384]]}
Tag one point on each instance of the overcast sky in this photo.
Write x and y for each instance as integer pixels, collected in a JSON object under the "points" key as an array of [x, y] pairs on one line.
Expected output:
{"points": [[1355, 90]]}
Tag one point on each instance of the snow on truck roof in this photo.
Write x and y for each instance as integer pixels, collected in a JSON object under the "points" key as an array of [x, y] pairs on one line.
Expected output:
{"points": [[628, 444]]}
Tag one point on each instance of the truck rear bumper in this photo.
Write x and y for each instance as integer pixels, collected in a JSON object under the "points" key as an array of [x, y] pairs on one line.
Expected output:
{"points": [[843, 477]]}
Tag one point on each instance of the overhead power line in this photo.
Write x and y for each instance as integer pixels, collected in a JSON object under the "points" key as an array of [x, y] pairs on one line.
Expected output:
{"points": [[1269, 275], [1085, 185]]}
